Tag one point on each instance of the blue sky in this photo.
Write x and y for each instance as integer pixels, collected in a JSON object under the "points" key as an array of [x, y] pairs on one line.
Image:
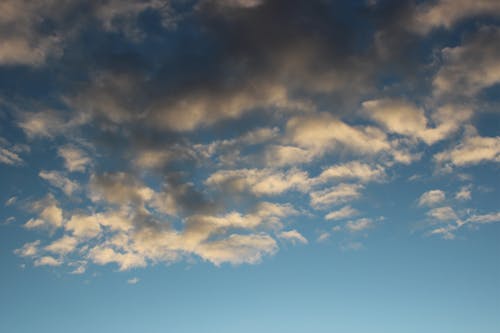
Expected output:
{"points": [[249, 166]]}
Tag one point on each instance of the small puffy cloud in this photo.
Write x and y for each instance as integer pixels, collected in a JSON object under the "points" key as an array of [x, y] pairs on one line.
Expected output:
{"points": [[10, 201], [446, 13], [238, 249], [293, 236], [59, 180], [49, 214], [28, 249], [119, 188], [343, 213], [359, 225], [74, 158], [63, 245], [405, 118], [484, 218], [353, 170], [48, 261], [260, 181], [103, 255], [322, 132], [323, 237], [84, 226], [335, 195], [464, 193], [134, 280], [443, 213], [472, 150], [432, 197], [48, 123], [9, 157], [472, 66]]}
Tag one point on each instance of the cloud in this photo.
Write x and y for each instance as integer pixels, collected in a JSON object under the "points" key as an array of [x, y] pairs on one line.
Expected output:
{"points": [[9, 157], [443, 213], [463, 194], [447, 13], [484, 218], [322, 132], [238, 249], [335, 195], [473, 149], [63, 245], [359, 225], [404, 118], [28, 249], [260, 181], [49, 214], [48, 261], [134, 280], [343, 213], [10, 201], [103, 255], [293, 236], [354, 170], [432, 197], [472, 66], [74, 158], [57, 179], [27, 43]]}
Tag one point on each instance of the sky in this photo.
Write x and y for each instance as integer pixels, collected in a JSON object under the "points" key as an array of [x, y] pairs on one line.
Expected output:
{"points": [[250, 166]]}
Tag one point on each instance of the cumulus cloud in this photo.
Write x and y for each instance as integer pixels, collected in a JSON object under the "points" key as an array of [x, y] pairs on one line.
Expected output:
{"points": [[59, 180], [359, 225], [473, 149], [343, 213], [260, 181], [472, 66], [432, 197], [47, 261], [446, 13], [464, 193], [74, 158], [293, 236], [28, 249], [402, 117], [338, 194], [443, 213]]}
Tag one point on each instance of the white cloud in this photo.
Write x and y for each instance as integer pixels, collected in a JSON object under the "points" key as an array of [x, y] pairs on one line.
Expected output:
{"points": [[443, 213], [49, 214], [63, 245], [28, 249], [134, 280], [293, 236], [472, 150], [343, 213], [103, 255], [238, 249], [322, 132], [446, 13], [404, 118], [260, 181], [335, 195], [353, 170], [10, 201], [75, 159], [59, 180], [472, 66], [48, 261], [431, 198], [9, 157], [359, 225], [464, 193]]}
